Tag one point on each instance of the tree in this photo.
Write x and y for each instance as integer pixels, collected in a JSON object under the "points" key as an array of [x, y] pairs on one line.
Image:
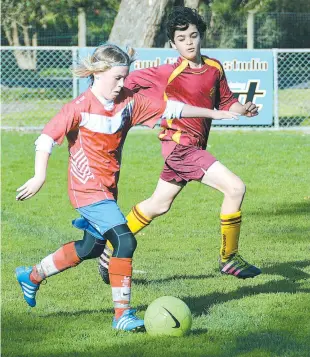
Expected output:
{"points": [[85, 6], [142, 24], [23, 19], [19, 21], [137, 23]]}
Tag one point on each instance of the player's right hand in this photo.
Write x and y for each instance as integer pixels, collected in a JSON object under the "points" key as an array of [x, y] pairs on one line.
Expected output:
{"points": [[29, 189], [224, 115]]}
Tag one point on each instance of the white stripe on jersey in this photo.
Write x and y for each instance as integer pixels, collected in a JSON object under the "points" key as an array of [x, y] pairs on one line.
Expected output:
{"points": [[105, 124], [80, 166]]}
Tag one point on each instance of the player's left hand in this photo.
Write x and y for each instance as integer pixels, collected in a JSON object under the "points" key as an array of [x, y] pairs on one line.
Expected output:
{"points": [[251, 110]]}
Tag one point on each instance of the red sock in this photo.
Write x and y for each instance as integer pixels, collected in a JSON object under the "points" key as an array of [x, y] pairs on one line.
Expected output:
{"points": [[35, 277], [64, 258], [120, 272]]}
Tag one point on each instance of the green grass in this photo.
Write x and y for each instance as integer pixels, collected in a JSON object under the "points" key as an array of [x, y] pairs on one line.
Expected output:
{"points": [[38, 118], [294, 107], [263, 317], [33, 95]]}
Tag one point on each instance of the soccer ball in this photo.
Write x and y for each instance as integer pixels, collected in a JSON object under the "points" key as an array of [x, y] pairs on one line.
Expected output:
{"points": [[168, 316]]}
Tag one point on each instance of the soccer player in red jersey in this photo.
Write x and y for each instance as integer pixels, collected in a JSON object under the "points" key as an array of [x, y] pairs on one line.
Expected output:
{"points": [[197, 80], [96, 124]]}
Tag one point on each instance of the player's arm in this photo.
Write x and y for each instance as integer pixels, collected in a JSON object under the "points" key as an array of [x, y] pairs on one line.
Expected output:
{"points": [[151, 82], [189, 111], [32, 186], [52, 134], [148, 112], [249, 109], [226, 101]]}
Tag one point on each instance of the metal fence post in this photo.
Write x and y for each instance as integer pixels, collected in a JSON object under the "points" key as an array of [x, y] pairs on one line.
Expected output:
{"points": [[75, 80], [251, 29], [275, 89]]}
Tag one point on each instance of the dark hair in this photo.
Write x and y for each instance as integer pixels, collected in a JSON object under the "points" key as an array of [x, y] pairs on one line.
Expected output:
{"points": [[181, 17]]}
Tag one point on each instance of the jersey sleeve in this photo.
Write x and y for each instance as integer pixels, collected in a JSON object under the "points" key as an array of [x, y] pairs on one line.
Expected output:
{"points": [[147, 111], [149, 81], [224, 96], [62, 123]]}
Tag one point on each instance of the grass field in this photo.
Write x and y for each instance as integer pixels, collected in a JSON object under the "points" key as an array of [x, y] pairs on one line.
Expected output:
{"points": [[177, 255]]}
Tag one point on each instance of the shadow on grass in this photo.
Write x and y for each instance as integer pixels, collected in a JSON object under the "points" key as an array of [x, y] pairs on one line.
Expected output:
{"points": [[140, 281], [86, 312], [295, 208], [274, 342], [262, 343], [291, 271], [202, 304], [268, 343]]}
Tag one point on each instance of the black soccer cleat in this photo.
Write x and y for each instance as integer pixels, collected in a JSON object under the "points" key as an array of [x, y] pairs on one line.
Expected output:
{"points": [[238, 267]]}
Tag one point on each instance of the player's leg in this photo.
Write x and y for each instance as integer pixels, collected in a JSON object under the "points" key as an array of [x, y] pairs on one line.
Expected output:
{"points": [[68, 256], [108, 220], [221, 178], [158, 204], [142, 214], [120, 274]]}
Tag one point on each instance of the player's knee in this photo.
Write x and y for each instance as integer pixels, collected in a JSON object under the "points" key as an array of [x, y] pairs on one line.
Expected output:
{"points": [[123, 241], [236, 189], [89, 247]]}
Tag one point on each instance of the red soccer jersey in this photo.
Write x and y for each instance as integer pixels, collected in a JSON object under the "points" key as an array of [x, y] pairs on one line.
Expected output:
{"points": [[203, 87], [96, 136]]}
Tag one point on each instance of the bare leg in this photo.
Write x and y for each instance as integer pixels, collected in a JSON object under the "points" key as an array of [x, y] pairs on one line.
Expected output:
{"points": [[222, 179], [141, 215], [161, 200]]}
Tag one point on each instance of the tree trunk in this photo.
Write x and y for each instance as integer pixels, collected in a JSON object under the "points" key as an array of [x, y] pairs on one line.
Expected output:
{"points": [[138, 25], [210, 36], [192, 4], [25, 59], [8, 34], [15, 37], [82, 27]]}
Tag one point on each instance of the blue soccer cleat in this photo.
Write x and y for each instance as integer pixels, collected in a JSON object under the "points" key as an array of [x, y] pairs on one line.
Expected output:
{"points": [[128, 321], [28, 287]]}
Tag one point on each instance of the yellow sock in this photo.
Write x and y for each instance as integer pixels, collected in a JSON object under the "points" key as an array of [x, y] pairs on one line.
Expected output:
{"points": [[137, 220], [109, 245], [230, 230]]}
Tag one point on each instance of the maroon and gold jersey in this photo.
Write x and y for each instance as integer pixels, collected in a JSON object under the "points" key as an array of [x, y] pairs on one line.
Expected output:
{"points": [[96, 135], [203, 87]]}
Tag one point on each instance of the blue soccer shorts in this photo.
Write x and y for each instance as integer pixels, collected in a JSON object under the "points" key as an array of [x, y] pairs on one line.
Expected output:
{"points": [[99, 217]]}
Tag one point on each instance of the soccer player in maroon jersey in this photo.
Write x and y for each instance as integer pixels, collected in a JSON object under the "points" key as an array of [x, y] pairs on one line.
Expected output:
{"points": [[197, 80], [96, 124]]}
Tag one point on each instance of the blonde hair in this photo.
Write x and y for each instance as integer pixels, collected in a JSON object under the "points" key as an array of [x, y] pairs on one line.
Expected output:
{"points": [[104, 58]]}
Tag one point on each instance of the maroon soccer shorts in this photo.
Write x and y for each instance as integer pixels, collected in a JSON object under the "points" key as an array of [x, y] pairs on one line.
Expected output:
{"points": [[186, 163]]}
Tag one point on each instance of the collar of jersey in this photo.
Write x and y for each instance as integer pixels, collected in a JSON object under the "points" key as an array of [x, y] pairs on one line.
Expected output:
{"points": [[178, 70]]}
